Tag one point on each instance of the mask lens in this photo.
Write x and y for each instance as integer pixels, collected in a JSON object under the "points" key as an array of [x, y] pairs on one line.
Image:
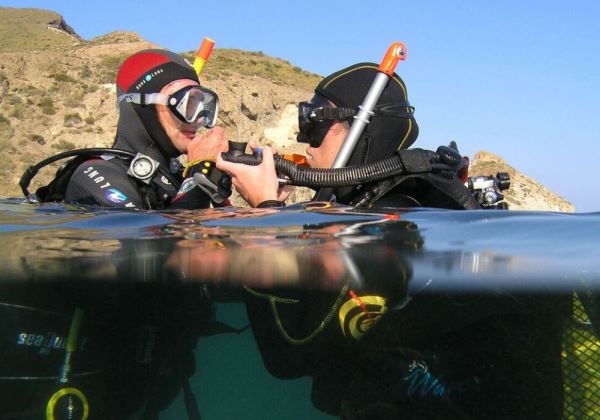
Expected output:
{"points": [[314, 133], [312, 130], [304, 110], [196, 105]]}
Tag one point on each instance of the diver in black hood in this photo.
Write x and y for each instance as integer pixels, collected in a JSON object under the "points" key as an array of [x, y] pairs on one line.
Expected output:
{"points": [[161, 108], [499, 354], [324, 124]]}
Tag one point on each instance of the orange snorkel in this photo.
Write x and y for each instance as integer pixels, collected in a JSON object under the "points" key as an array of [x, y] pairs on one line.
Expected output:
{"points": [[385, 71], [395, 53], [202, 54]]}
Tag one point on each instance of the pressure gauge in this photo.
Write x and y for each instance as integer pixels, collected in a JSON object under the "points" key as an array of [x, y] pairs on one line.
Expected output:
{"points": [[143, 167]]}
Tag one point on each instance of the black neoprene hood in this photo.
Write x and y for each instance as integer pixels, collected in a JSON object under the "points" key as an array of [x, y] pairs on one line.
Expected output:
{"points": [[385, 133], [148, 71]]}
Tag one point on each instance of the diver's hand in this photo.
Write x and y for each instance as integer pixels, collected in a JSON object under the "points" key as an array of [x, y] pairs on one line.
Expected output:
{"points": [[254, 183], [284, 192], [207, 145]]}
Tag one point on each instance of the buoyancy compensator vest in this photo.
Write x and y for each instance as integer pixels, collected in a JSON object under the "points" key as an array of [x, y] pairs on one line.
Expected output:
{"points": [[157, 185]]}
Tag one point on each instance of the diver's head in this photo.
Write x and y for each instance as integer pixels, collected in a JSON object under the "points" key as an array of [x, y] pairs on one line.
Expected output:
{"points": [[324, 122], [164, 91], [324, 133]]}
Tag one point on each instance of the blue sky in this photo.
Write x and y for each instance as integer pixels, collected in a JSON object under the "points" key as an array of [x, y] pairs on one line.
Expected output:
{"points": [[519, 79]]}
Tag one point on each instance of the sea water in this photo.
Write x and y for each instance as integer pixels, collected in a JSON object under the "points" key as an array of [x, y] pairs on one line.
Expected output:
{"points": [[313, 247]]}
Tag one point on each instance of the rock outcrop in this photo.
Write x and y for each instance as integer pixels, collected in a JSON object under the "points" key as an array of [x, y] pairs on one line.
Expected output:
{"points": [[524, 192]]}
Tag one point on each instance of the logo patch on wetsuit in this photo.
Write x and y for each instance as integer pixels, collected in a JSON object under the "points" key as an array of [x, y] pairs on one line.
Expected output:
{"points": [[421, 383], [148, 77], [359, 314], [115, 195]]}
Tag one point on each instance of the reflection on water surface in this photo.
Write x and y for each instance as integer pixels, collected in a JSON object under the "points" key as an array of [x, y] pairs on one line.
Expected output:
{"points": [[305, 312]]}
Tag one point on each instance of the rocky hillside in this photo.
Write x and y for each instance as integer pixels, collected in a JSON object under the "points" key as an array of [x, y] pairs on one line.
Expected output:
{"points": [[524, 193], [57, 93]]}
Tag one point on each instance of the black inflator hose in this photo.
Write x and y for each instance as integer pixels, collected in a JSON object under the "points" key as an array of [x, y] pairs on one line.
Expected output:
{"points": [[410, 161]]}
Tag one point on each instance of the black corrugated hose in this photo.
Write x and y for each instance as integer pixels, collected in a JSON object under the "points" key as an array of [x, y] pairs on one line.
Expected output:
{"points": [[445, 160]]}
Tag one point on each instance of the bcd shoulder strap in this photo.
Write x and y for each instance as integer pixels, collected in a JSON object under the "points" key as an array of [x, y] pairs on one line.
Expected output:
{"points": [[56, 189], [424, 190]]}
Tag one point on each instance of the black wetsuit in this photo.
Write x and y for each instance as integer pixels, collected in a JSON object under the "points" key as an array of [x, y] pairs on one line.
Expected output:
{"points": [[105, 182], [439, 356], [153, 326]]}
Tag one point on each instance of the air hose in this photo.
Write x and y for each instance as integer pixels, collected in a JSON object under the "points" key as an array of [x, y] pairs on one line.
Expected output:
{"points": [[446, 161]]}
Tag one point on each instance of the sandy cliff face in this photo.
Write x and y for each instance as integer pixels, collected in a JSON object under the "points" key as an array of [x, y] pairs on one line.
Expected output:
{"points": [[524, 193], [64, 98]]}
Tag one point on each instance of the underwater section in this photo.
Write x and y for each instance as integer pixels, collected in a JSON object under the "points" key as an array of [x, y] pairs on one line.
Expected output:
{"points": [[307, 311]]}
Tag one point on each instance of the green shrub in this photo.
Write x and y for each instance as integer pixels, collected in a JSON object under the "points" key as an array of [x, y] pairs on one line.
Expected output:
{"points": [[72, 119], [73, 102], [14, 99], [18, 112], [108, 68], [63, 145], [63, 78], [30, 90], [5, 144], [6, 132], [44, 120], [47, 105], [6, 164], [37, 139], [113, 62], [89, 120], [4, 82], [85, 72]]}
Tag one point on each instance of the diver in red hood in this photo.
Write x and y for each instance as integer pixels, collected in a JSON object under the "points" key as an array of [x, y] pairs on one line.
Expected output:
{"points": [[162, 106]]}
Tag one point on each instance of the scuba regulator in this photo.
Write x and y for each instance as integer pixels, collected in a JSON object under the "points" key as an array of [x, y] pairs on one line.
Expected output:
{"points": [[486, 190]]}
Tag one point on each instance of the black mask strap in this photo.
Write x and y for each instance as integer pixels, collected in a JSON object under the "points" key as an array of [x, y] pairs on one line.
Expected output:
{"points": [[321, 114]]}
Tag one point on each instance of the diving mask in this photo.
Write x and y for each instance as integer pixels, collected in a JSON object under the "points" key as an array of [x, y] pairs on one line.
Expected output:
{"points": [[194, 105], [316, 117]]}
